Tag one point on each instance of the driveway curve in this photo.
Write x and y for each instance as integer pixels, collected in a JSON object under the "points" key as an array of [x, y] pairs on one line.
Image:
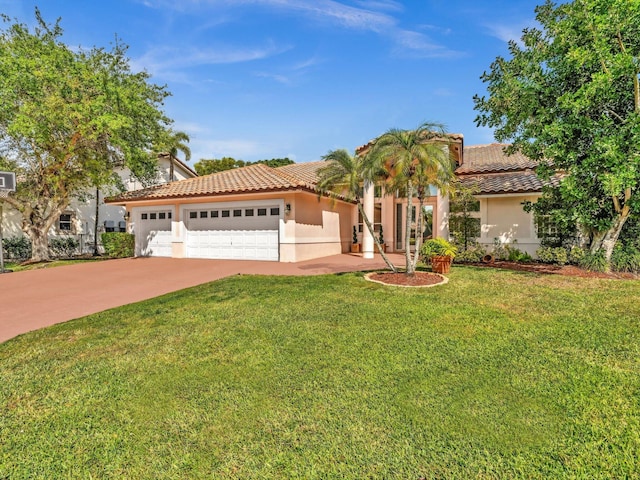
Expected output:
{"points": [[35, 299]]}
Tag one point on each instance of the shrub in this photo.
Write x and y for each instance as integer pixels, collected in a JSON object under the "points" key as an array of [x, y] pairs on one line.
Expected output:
{"points": [[17, 248], [63, 247], [118, 244], [576, 254], [516, 255], [557, 255], [625, 258], [595, 262], [473, 253]]}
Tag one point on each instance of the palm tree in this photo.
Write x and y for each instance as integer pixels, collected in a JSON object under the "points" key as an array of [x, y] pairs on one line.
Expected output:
{"points": [[343, 174], [177, 141], [413, 160]]}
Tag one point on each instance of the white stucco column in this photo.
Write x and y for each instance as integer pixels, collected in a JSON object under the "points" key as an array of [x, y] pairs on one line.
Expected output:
{"points": [[442, 217], [367, 239]]}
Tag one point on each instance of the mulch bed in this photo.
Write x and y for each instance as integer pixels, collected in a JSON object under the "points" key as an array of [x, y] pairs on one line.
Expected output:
{"points": [[543, 268]]}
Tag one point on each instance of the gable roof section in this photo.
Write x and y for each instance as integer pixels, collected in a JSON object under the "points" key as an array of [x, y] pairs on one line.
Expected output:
{"points": [[489, 170], [253, 178]]}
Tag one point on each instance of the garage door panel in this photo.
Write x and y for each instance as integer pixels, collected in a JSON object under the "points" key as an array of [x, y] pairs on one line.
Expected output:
{"points": [[246, 232], [154, 233]]}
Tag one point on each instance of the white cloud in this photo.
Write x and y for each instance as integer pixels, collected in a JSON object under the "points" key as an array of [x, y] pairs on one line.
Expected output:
{"points": [[278, 78], [165, 60], [370, 16], [508, 32]]}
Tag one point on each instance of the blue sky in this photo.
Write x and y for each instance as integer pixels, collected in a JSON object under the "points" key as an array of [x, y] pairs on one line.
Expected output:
{"points": [[255, 79]]}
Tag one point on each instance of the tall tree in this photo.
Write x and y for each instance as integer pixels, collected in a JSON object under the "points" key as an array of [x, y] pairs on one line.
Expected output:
{"points": [[343, 174], [68, 117], [412, 160], [176, 141], [569, 96], [208, 166]]}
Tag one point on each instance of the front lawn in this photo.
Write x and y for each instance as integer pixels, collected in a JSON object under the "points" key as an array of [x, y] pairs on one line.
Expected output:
{"points": [[495, 375]]}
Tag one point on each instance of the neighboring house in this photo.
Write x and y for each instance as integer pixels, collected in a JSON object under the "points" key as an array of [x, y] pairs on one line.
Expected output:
{"points": [[278, 214], [502, 184], [78, 220]]}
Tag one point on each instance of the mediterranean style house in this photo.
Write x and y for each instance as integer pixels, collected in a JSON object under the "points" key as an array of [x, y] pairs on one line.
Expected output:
{"points": [[278, 214], [79, 220]]}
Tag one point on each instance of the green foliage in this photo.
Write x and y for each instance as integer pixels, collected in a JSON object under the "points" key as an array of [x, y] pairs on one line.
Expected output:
{"points": [[576, 255], [555, 255], [514, 254], [569, 96], [68, 117], [64, 246], [463, 227], [118, 244], [473, 253], [625, 258], [17, 247], [438, 247], [596, 262], [355, 235], [215, 165]]}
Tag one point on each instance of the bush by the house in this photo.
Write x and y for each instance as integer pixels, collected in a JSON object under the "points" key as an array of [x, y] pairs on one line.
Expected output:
{"points": [[625, 258], [576, 255], [472, 254], [63, 247], [17, 248], [557, 255], [596, 262], [118, 244]]}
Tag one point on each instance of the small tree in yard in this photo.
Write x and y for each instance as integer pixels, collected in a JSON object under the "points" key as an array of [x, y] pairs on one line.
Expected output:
{"points": [[410, 161], [343, 174], [67, 118], [569, 96]]}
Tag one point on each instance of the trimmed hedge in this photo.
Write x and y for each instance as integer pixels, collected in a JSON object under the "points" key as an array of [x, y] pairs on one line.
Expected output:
{"points": [[118, 244]]}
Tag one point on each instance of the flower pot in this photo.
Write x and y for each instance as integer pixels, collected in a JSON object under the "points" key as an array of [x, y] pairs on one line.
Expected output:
{"points": [[441, 264], [383, 247], [355, 248]]}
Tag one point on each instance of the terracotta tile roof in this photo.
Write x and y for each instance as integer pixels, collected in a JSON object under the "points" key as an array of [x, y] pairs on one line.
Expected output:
{"points": [[511, 182], [307, 172], [253, 178], [491, 158]]}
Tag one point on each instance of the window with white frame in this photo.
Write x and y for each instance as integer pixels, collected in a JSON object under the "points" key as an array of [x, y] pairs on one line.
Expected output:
{"points": [[65, 222]]}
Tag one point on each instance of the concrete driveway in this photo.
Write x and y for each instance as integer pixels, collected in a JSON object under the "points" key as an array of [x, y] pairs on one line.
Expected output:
{"points": [[38, 298]]}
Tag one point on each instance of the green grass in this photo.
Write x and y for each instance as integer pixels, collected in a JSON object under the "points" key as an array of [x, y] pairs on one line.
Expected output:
{"points": [[19, 267], [495, 375]]}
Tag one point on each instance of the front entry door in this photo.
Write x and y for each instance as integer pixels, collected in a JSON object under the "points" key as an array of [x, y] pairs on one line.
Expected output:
{"points": [[401, 215]]}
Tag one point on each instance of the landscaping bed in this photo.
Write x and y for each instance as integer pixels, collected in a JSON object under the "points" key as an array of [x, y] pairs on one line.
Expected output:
{"points": [[545, 268]]}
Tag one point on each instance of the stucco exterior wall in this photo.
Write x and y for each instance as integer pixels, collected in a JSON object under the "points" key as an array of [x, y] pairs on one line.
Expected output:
{"points": [[503, 219]]}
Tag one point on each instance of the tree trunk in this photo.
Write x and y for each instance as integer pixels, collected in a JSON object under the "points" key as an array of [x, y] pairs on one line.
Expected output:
{"points": [[407, 232], [95, 224], [608, 241], [418, 239], [39, 243], [376, 239], [171, 167]]}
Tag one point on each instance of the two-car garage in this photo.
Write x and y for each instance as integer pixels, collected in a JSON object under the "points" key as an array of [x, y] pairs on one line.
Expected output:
{"points": [[238, 232], [218, 231]]}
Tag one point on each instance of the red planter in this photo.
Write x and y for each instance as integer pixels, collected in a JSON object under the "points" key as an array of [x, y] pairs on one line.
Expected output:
{"points": [[441, 264]]}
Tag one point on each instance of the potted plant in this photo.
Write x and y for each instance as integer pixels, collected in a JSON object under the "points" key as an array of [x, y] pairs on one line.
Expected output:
{"points": [[355, 246], [441, 253]]}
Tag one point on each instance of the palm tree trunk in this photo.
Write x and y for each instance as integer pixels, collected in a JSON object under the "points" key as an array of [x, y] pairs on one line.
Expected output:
{"points": [[367, 222], [407, 232], [418, 242]]}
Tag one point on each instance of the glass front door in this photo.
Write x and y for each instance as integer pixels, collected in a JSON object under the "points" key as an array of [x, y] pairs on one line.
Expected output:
{"points": [[427, 226]]}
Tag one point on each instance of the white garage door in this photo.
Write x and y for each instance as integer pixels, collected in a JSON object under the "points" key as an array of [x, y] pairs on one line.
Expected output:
{"points": [[154, 234], [244, 233]]}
